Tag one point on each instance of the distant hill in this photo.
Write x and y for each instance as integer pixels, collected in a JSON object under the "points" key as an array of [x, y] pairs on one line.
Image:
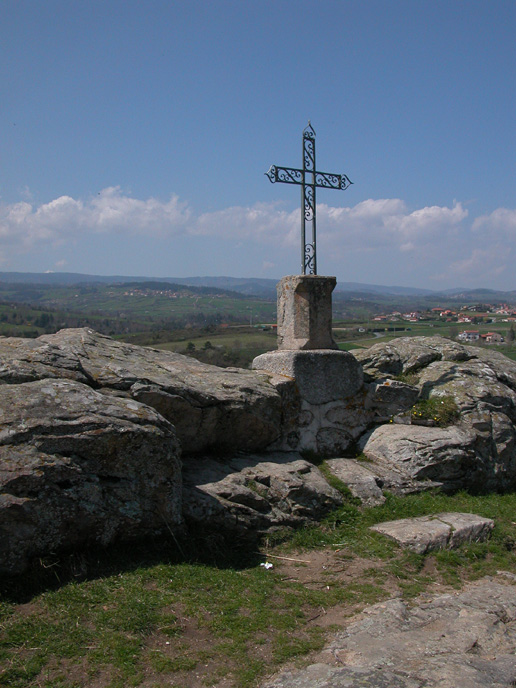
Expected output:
{"points": [[382, 289], [251, 286]]}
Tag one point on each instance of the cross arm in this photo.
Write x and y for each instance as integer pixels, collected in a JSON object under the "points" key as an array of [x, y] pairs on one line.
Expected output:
{"points": [[288, 175], [332, 181]]}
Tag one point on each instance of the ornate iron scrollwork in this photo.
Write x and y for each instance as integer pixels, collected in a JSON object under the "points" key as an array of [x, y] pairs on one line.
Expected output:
{"points": [[309, 259], [309, 202]]}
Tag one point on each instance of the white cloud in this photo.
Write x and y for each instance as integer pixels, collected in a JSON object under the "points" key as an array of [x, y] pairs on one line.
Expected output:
{"points": [[479, 267], [379, 222], [111, 211], [501, 222], [263, 222], [376, 223], [375, 234]]}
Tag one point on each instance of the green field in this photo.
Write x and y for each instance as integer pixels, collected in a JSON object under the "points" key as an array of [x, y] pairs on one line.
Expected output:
{"points": [[142, 301]]}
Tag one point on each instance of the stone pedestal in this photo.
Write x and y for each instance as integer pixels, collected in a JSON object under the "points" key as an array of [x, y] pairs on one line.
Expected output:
{"points": [[304, 312], [322, 398], [319, 387]]}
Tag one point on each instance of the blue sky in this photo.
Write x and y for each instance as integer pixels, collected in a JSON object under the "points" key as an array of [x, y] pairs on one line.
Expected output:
{"points": [[135, 137]]}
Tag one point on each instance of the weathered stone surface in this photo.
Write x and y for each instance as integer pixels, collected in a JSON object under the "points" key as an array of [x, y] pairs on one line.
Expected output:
{"points": [[360, 480], [321, 376], [304, 312], [247, 496], [386, 478], [479, 450], [388, 398], [443, 455], [322, 399], [210, 407], [77, 468], [26, 360], [439, 531], [409, 354], [466, 639]]}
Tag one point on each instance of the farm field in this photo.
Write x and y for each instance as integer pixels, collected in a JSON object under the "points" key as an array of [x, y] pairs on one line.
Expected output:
{"points": [[241, 344]]}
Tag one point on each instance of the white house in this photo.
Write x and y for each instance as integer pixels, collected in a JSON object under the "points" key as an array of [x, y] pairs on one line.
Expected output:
{"points": [[469, 336]]}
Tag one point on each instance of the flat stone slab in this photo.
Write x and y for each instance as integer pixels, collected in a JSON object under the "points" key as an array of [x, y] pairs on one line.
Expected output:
{"points": [[459, 640], [439, 531]]}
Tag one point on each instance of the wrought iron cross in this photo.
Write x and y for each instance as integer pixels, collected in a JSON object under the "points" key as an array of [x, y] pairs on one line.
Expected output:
{"points": [[309, 178]]}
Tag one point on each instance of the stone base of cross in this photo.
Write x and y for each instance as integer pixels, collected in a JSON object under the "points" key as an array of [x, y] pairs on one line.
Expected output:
{"points": [[305, 312], [314, 378]]}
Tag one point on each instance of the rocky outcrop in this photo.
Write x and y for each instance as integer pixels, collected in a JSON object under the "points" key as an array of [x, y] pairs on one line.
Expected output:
{"points": [[466, 639], [91, 435], [249, 495], [478, 449], [92, 431], [78, 468], [405, 355], [212, 409]]}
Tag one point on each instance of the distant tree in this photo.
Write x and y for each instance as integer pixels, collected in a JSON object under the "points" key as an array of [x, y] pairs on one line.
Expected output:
{"points": [[510, 336], [190, 348], [207, 345]]}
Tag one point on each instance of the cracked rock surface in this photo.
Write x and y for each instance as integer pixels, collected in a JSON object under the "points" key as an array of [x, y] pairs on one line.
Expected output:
{"points": [[465, 640], [229, 408], [476, 451], [248, 495]]}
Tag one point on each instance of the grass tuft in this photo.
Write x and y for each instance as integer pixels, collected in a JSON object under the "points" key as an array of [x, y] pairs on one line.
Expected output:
{"points": [[440, 411]]}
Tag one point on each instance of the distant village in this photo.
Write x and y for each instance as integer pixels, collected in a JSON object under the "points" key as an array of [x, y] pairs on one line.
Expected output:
{"points": [[467, 315], [482, 313], [167, 293]]}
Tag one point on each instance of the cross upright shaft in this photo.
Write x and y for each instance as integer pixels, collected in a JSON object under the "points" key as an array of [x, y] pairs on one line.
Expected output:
{"points": [[309, 178]]}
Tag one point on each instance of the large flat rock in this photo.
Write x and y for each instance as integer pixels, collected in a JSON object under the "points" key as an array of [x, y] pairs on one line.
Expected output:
{"points": [[460, 640]]}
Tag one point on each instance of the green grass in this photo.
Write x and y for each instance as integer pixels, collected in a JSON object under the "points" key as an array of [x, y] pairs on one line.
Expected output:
{"points": [[133, 622], [350, 525], [234, 337]]}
